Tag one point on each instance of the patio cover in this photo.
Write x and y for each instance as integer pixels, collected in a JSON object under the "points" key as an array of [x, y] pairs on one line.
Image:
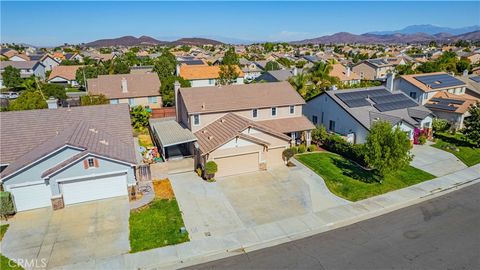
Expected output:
{"points": [[169, 132]]}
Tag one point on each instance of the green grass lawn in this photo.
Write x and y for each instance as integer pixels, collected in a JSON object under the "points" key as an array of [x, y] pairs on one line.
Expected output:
{"points": [[5, 263], [156, 226], [349, 181], [467, 154]]}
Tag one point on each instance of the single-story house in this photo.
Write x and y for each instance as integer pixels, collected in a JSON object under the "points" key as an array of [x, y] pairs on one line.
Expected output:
{"points": [[134, 89], [204, 75], [64, 75], [62, 156]]}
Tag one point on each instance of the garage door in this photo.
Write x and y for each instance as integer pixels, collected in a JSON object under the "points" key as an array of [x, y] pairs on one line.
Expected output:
{"points": [[31, 196], [96, 189], [275, 158], [237, 164]]}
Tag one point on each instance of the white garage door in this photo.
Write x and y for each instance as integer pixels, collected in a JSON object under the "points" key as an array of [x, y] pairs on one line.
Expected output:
{"points": [[96, 189], [31, 197], [237, 164]]}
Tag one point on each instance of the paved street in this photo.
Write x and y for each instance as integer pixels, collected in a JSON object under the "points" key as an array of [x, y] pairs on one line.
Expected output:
{"points": [[442, 233]]}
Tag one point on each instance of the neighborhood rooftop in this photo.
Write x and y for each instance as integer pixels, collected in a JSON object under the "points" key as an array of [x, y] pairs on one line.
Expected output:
{"points": [[433, 81], [125, 85]]}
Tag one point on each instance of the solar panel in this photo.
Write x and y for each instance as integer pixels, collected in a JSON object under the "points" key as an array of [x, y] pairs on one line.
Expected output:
{"points": [[390, 106], [362, 94], [389, 98], [475, 79], [441, 106], [439, 80], [448, 100], [353, 103]]}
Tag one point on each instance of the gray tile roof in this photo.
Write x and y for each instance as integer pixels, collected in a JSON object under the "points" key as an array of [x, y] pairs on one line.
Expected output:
{"points": [[19, 64], [170, 132], [24, 132]]}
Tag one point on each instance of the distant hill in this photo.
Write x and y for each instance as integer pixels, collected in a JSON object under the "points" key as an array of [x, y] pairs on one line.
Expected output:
{"points": [[369, 38], [430, 30], [146, 40]]}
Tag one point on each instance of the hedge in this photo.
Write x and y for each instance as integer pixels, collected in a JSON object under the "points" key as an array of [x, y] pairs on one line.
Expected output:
{"points": [[355, 152], [6, 204]]}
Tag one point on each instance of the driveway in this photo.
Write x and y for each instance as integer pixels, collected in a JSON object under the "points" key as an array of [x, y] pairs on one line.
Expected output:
{"points": [[435, 161], [77, 233]]}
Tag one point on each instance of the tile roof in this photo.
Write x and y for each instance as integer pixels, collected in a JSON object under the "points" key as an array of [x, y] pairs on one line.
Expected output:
{"points": [[290, 124], [35, 127], [226, 128], [65, 72], [340, 71], [459, 108], [239, 97], [19, 64], [199, 72], [138, 85], [411, 79]]}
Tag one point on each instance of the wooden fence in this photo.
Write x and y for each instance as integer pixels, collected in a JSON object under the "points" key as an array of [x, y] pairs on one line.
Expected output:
{"points": [[163, 112]]}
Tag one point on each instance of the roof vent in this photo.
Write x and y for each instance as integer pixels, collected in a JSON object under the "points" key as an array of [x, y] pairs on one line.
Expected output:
{"points": [[203, 106], [204, 131], [210, 137], [124, 85], [93, 130], [223, 120], [104, 142]]}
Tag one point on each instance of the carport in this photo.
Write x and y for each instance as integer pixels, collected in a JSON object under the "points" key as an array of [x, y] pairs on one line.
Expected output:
{"points": [[173, 140]]}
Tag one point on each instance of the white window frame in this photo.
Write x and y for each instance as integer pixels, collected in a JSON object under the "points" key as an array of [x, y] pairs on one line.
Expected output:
{"points": [[255, 113], [153, 100], [114, 101], [131, 101], [290, 109], [197, 116], [272, 110]]}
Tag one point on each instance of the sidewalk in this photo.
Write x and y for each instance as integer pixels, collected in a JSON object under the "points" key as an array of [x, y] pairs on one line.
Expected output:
{"points": [[270, 234]]}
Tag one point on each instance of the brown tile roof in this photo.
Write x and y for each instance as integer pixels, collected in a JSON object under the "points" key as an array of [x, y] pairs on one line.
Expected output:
{"points": [[340, 71], [460, 108], [23, 56], [290, 124], [228, 127], [199, 72], [10, 53], [411, 79], [33, 128], [59, 55], [66, 72], [138, 85], [239, 97]]}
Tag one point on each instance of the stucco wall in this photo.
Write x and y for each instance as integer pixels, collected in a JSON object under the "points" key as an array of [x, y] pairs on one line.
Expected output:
{"points": [[365, 71], [143, 101]]}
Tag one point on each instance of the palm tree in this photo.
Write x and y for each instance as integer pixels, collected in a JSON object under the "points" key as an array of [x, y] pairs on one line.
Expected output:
{"points": [[300, 83], [321, 75]]}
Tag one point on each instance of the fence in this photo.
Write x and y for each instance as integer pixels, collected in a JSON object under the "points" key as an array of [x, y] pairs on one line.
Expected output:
{"points": [[163, 112]]}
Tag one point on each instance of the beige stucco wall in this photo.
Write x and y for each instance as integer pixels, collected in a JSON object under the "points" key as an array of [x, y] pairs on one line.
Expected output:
{"points": [[365, 71], [143, 101]]}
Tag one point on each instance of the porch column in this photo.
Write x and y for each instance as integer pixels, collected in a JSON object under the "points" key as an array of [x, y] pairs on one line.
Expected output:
{"points": [[308, 136]]}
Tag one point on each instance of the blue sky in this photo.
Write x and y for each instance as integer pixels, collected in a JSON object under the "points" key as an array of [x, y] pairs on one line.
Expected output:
{"points": [[52, 23]]}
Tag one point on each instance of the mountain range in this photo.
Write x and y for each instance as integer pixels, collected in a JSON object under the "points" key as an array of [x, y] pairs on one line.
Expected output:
{"points": [[146, 40], [430, 30]]}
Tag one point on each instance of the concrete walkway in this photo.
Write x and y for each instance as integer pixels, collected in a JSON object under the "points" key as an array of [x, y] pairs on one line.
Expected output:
{"points": [[248, 239], [435, 161], [146, 198]]}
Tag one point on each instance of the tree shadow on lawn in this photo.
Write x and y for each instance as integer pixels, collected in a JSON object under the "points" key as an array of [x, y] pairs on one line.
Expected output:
{"points": [[354, 171]]}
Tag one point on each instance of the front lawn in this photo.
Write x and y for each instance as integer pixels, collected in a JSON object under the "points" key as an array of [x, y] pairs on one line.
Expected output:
{"points": [[349, 181], [466, 153], [156, 226], [3, 230]]}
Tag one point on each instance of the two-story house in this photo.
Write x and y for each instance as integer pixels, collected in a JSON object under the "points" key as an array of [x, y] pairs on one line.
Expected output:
{"points": [[243, 128], [204, 75], [134, 89], [27, 68], [376, 69]]}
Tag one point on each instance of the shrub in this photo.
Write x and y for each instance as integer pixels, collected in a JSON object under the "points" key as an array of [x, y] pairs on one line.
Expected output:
{"points": [[422, 140], [199, 172], [294, 149], [6, 204], [288, 154], [319, 134], [211, 167], [336, 144], [456, 139], [440, 125], [301, 149], [312, 148]]}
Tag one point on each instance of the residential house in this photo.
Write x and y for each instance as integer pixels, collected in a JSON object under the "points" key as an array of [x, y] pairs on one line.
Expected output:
{"points": [[27, 68], [134, 89], [64, 75], [62, 156], [344, 74], [189, 60], [376, 69], [74, 57], [203, 75], [141, 69], [352, 112], [19, 57], [277, 75], [451, 107], [250, 69], [8, 53], [49, 62], [242, 128]]}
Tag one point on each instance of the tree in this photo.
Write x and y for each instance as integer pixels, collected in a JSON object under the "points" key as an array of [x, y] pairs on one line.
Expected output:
{"points": [[319, 134], [387, 149], [167, 89], [89, 72], [53, 90], [230, 57], [11, 77], [321, 75], [272, 65], [440, 125], [472, 125], [285, 62], [210, 169], [228, 74], [120, 67], [287, 154], [462, 64], [28, 100], [6, 205], [165, 65], [139, 117], [300, 83], [93, 100]]}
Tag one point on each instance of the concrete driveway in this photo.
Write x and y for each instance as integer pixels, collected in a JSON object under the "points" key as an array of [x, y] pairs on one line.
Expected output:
{"points": [[75, 234], [435, 161]]}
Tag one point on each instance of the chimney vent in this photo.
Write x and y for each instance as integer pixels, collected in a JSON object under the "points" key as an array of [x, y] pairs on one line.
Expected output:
{"points": [[93, 130], [124, 85], [348, 72], [104, 142], [52, 103]]}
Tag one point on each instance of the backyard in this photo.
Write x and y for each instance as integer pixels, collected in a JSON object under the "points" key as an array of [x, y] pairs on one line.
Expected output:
{"points": [[159, 223], [350, 181], [459, 146]]}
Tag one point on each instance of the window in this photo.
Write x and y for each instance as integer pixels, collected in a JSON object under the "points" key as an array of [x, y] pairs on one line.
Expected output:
{"points": [[321, 120], [274, 111], [292, 109], [314, 119], [196, 119], [131, 101], [211, 81], [331, 126], [90, 162], [152, 100], [255, 113], [114, 101], [413, 95]]}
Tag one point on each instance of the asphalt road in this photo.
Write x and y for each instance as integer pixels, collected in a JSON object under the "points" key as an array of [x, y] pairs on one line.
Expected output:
{"points": [[442, 233]]}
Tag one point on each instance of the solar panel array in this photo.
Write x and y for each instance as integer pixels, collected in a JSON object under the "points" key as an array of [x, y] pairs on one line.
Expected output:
{"points": [[362, 94], [389, 98], [395, 105], [383, 100], [439, 80], [475, 79], [448, 100], [359, 102], [441, 106]]}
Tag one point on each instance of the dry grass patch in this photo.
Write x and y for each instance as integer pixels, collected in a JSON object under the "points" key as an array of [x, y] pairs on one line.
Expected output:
{"points": [[163, 189], [145, 140]]}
